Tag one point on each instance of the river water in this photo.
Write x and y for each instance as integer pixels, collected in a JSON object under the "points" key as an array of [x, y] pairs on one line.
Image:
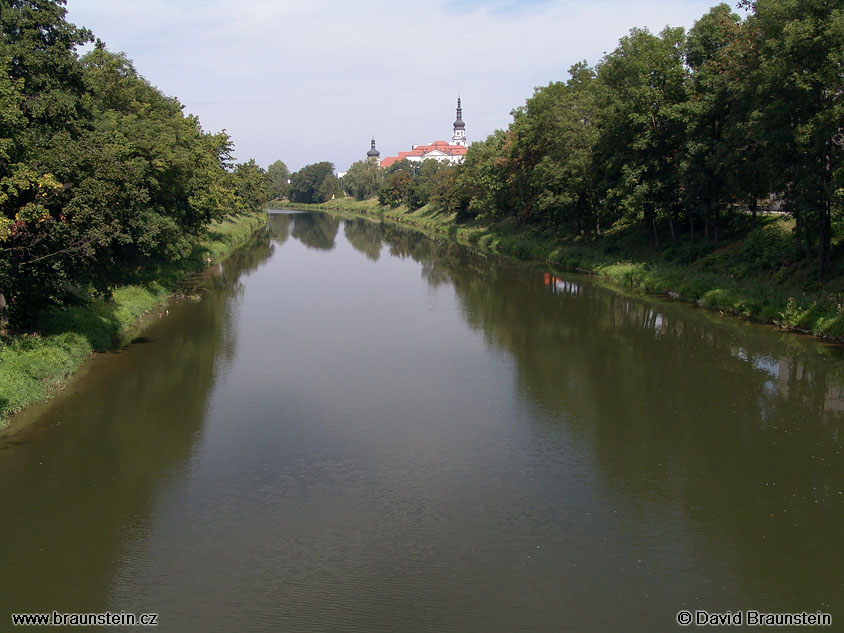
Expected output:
{"points": [[361, 429]]}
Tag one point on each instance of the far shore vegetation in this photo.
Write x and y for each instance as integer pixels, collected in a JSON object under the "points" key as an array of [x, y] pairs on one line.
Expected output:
{"points": [[707, 164], [747, 276]]}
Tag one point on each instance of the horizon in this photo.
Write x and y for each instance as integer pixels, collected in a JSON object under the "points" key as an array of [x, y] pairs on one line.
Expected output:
{"points": [[253, 70]]}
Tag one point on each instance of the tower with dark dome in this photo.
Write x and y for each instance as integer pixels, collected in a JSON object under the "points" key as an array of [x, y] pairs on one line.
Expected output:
{"points": [[373, 154], [441, 151], [459, 137]]}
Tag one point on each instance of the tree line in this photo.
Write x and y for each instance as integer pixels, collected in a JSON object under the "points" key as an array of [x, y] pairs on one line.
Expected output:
{"points": [[669, 132], [101, 175]]}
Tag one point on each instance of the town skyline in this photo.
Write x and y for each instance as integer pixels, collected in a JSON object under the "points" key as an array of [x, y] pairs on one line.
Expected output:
{"points": [[306, 83]]}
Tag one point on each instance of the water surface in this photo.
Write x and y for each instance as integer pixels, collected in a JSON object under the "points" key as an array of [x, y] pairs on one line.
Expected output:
{"points": [[360, 429]]}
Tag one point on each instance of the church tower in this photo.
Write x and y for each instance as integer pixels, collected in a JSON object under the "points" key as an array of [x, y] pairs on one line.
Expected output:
{"points": [[373, 154], [459, 137]]}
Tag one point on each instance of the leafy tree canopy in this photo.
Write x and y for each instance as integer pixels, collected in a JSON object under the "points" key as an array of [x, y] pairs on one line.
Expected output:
{"points": [[101, 175], [278, 177], [314, 183]]}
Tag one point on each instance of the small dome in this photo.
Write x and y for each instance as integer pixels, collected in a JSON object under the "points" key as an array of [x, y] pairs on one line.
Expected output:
{"points": [[373, 153]]}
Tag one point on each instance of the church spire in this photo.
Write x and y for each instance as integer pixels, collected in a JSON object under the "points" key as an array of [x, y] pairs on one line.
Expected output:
{"points": [[373, 154], [459, 137]]}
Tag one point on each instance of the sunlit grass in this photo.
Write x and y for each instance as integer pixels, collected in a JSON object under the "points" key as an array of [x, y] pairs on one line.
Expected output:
{"points": [[33, 365]]}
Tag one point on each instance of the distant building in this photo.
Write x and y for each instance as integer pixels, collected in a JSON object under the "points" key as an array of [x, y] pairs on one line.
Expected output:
{"points": [[437, 150], [373, 154], [459, 137]]}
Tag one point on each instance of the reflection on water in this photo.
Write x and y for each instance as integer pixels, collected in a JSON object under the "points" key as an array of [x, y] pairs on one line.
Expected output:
{"points": [[79, 482], [365, 237], [278, 225], [738, 425], [370, 430], [315, 230]]}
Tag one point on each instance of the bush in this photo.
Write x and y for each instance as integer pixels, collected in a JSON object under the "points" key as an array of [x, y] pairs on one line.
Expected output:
{"points": [[768, 248]]}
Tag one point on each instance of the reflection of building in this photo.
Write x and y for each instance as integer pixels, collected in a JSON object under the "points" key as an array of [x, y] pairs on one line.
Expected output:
{"points": [[437, 150]]}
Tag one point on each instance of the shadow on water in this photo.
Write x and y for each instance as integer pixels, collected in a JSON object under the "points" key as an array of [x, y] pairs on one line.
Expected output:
{"points": [[737, 427], [106, 460]]}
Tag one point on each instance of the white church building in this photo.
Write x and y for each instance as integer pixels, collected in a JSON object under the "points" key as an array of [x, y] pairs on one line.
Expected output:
{"points": [[437, 150]]}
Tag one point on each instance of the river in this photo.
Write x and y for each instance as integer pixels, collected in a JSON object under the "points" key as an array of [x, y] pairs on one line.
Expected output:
{"points": [[360, 429]]}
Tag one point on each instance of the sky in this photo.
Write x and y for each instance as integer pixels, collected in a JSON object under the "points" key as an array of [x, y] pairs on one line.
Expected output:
{"points": [[313, 80]]}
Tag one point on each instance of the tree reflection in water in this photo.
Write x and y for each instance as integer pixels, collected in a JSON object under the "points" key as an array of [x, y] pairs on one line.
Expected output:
{"points": [[737, 426]]}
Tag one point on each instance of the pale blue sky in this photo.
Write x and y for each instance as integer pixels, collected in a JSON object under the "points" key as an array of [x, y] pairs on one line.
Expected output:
{"points": [[311, 81]]}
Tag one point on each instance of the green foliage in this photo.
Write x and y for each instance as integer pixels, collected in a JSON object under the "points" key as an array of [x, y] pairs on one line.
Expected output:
{"points": [[100, 173], [769, 248], [363, 180], [478, 187], [687, 252], [710, 154], [30, 366], [428, 179], [682, 135], [250, 186], [314, 183], [395, 188], [801, 107], [33, 365], [415, 184], [549, 155], [643, 118], [278, 177]]}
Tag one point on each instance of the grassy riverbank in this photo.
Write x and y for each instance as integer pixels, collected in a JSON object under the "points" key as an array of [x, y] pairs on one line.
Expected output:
{"points": [[35, 364], [754, 274]]}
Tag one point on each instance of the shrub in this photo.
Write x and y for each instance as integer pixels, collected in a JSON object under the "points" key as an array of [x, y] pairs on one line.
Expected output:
{"points": [[768, 248]]}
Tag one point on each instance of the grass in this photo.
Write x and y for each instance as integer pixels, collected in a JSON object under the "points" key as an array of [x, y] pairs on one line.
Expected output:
{"points": [[754, 274], [33, 365]]}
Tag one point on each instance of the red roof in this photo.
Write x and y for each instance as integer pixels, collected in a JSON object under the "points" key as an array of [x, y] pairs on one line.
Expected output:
{"points": [[422, 150]]}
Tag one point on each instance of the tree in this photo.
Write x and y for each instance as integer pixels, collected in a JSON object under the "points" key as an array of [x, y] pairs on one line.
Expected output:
{"points": [[41, 105], [477, 186], [101, 174], [251, 189], [747, 155], [549, 154], [423, 187], [643, 121], [314, 183], [278, 176], [708, 154], [395, 188], [801, 44], [363, 179]]}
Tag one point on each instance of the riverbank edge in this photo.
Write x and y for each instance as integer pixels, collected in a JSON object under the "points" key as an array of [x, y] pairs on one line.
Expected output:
{"points": [[35, 366], [760, 299]]}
